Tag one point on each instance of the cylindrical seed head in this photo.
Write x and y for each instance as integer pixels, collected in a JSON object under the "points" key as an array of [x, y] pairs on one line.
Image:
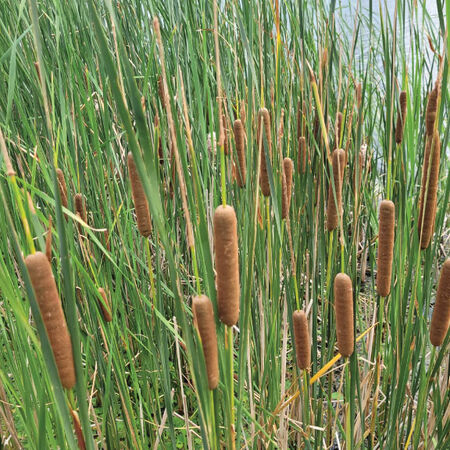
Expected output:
{"points": [[263, 115], [441, 314], [333, 211], [80, 207], [302, 155], [401, 116], [104, 306], [302, 341], [62, 187], [239, 137], [343, 306], [288, 168], [430, 115], [385, 247]]}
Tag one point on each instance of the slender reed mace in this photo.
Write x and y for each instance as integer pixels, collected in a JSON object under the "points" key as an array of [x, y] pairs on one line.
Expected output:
{"points": [[62, 187], [428, 193], [44, 287], [343, 305], [385, 247], [227, 264], [430, 115], [104, 305], [288, 168], [441, 314], [144, 223], [334, 208], [80, 207], [302, 154], [263, 115], [302, 341], [239, 137], [401, 116], [206, 326]]}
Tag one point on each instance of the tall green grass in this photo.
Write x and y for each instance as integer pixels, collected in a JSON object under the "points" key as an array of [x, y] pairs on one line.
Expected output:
{"points": [[79, 90]]}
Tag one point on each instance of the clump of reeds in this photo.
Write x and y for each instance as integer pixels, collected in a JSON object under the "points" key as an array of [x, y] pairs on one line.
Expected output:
{"points": [[385, 247], [62, 187], [263, 115], [441, 314], [334, 207], [80, 207], [302, 154], [144, 223], [428, 193], [288, 168], [47, 297], [206, 326], [227, 264], [104, 306], [401, 116], [343, 305], [302, 341], [239, 137]]}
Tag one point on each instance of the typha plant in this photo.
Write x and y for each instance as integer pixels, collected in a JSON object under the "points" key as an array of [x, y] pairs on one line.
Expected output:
{"points": [[144, 223], [239, 137], [80, 206], [401, 117], [338, 129], [227, 264], [430, 114], [302, 341], [47, 296], [288, 168], [334, 206], [104, 305], [440, 319], [264, 119], [302, 154], [343, 306], [429, 188], [206, 326], [62, 187], [385, 247]]}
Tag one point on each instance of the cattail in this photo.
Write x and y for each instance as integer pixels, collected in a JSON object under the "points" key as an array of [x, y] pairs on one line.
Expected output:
{"points": [[264, 177], [343, 305], [239, 137], [80, 207], [62, 187], [288, 168], [227, 264], [47, 297], [427, 205], [302, 154], [206, 325], [401, 116], [225, 134], [430, 115], [358, 91], [48, 241], [385, 247], [338, 161], [441, 313], [140, 201], [104, 306], [338, 128], [302, 342]]}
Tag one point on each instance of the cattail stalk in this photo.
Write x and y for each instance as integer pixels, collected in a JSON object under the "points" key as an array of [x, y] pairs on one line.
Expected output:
{"points": [[401, 116], [441, 314], [343, 305], [428, 193], [288, 168], [302, 155], [239, 137], [206, 326], [47, 297], [105, 306], [263, 115], [302, 341], [334, 207], [144, 223], [385, 247], [227, 264]]}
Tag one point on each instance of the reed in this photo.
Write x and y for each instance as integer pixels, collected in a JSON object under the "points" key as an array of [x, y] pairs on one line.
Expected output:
{"points": [[263, 116], [302, 341], [47, 297], [239, 137], [105, 306], [334, 207], [343, 306], [144, 223], [441, 314], [401, 117], [385, 247], [227, 264], [288, 168], [206, 326]]}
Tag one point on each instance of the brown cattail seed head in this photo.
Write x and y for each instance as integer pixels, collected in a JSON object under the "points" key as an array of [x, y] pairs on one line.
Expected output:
{"points": [[62, 187], [48, 241], [385, 247], [428, 194], [302, 155], [288, 168], [401, 116], [430, 115], [47, 297], [104, 306], [441, 313], [206, 325], [140, 201], [334, 208], [80, 207], [343, 306], [227, 264], [263, 115], [302, 341], [239, 137]]}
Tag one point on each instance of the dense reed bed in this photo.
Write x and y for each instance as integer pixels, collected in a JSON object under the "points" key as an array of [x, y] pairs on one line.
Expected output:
{"points": [[169, 279]]}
